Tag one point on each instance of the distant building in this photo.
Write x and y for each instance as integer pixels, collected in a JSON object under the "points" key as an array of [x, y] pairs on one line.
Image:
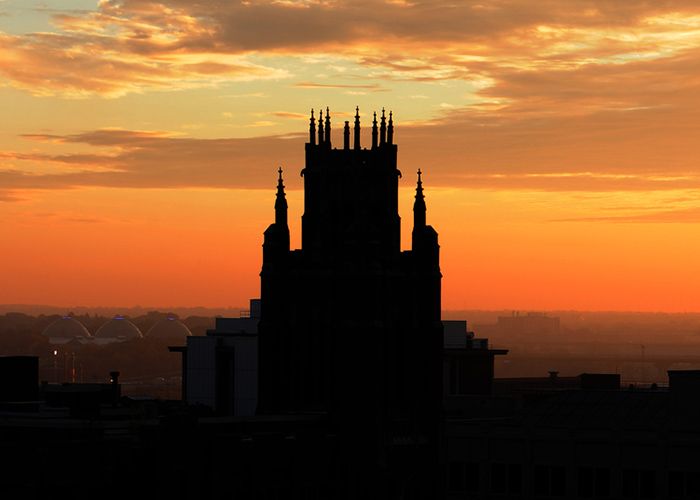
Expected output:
{"points": [[66, 329], [117, 329], [169, 328], [531, 323], [467, 362]]}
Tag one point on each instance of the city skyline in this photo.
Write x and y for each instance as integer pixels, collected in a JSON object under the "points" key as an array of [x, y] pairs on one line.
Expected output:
{"points": [[139, 158]]}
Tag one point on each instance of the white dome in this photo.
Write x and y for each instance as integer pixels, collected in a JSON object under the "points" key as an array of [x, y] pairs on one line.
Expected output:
{"points": [[66, 327], [169, 328], [118, 327]]}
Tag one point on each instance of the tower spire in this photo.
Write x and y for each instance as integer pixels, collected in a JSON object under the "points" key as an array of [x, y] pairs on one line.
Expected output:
{"points": [[346, 136], [357, 127], [312, 129], [382, 130], [328, 128], [419, 205], [320, 127], [390, 130], [280, 202], [374, 131]]}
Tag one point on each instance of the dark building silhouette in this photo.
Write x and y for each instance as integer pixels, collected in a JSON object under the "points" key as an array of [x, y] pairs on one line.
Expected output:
{"points": [[219, 370], [467, 363], [350, 324]]}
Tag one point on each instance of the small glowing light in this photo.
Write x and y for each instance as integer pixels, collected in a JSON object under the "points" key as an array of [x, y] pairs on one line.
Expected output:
{"points": [[55, 352]]}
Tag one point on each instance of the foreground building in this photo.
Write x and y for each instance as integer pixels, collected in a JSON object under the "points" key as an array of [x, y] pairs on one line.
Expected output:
{"points": [[350, 324], [592, 439]]}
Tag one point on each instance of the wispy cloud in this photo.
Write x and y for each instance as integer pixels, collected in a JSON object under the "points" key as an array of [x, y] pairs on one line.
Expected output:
{"points": [[152, 159], [314, 85], [144, 159], [680, 216], [289, 114]]}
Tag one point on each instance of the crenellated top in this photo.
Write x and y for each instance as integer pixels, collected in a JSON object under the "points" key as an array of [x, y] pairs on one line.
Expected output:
{"points": [[382, 135]]}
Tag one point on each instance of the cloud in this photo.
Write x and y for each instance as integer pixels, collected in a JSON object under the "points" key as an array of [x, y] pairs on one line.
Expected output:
{"points": [[50, 64], [142, 159], [312, 85], [9, 196], [320, 25], [461, 150], [680, 216], [137, 45], [291, 115]]}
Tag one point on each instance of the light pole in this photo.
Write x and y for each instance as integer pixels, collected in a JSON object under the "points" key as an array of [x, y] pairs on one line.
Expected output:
{"points": [[55, 365]]}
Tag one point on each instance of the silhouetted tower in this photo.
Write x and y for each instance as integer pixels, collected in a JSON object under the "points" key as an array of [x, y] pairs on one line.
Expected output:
{"points": [[390, 130], [312, 129], [375, 132], [350, 324], [276, 244], [382, 130], [320, 128]]}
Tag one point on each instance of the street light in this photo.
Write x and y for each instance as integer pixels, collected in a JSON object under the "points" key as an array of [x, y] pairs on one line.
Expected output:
{"points": [[55, 366]]}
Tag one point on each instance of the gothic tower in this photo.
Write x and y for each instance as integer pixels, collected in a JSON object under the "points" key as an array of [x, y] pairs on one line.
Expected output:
{"points": [[350, 324]]}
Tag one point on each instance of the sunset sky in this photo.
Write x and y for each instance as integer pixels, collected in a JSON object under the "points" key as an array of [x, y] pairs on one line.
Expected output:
{"points": [[559, 142]]}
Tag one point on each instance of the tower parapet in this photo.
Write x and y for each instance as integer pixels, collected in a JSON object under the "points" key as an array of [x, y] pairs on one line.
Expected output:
{"points": [[351, 195]]}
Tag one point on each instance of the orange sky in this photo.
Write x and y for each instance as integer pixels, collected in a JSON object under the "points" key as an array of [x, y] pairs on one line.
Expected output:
{"points": [[559, 141]]}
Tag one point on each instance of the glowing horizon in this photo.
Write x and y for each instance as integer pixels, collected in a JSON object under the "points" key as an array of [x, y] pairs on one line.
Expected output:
{"points": [[558, 143]]}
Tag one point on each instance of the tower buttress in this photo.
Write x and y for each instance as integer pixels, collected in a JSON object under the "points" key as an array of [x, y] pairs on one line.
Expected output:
{"points": [[357, 128], [328, 128]]}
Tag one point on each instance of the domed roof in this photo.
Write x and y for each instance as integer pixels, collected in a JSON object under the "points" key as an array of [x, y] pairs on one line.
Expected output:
{"points": [[66, 327], [118, 327], [169, 328]]}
